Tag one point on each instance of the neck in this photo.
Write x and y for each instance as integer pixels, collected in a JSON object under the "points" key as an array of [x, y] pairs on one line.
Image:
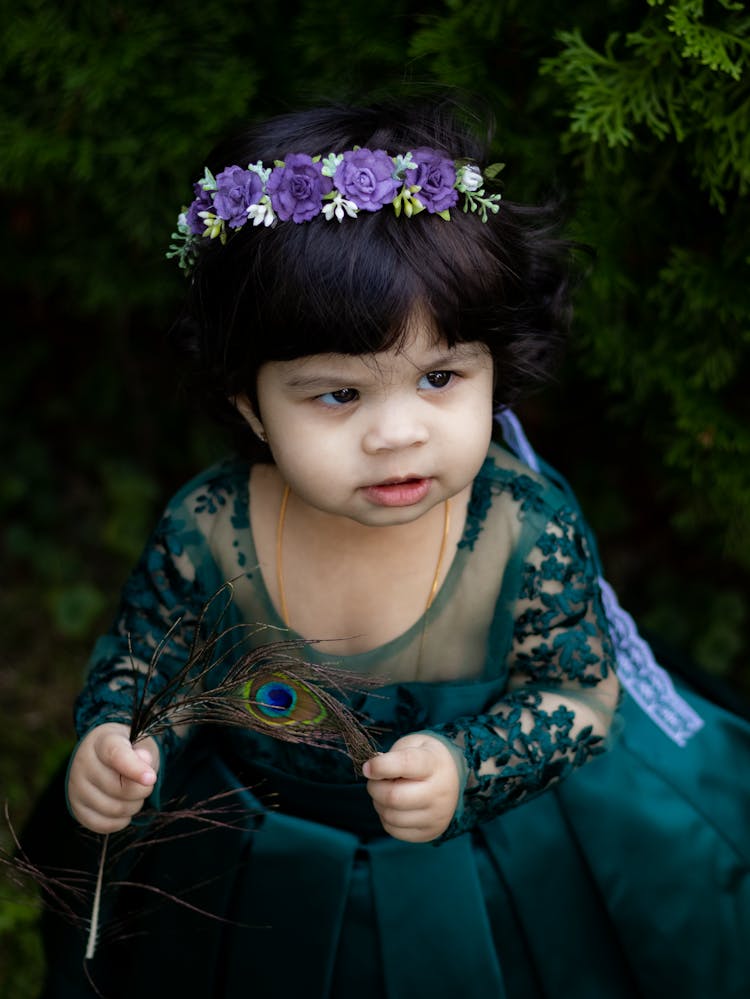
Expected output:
{"points": [[403, 553]]}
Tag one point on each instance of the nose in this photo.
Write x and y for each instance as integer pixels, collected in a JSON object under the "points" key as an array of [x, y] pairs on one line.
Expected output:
{"points": [[393, 427]]}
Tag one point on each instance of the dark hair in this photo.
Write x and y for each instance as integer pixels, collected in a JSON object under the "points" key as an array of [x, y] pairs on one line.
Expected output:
{"points": [[351, 287]]}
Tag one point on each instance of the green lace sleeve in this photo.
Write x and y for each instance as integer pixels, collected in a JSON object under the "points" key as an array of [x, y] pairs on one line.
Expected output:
{"points": [[164, 588], [562, 690]]}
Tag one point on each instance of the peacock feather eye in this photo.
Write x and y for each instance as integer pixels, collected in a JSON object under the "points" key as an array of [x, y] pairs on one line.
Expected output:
{"points": [[278, 699]]}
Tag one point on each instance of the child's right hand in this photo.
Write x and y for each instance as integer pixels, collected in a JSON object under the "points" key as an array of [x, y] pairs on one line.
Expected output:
{"points": [[110, 779]]}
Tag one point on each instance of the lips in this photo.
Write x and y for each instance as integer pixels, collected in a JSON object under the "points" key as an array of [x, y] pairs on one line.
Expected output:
{"points": [[405, 491]]}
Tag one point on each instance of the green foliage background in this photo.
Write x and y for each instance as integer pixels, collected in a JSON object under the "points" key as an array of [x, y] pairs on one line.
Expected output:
{"points": [[639, 112]]}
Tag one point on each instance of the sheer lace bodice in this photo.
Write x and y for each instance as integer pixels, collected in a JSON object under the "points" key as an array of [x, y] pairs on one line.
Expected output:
{"points": [[519, 612]]}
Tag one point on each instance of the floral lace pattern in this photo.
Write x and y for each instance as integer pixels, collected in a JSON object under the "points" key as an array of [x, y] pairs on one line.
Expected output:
{"points": [[561, 650], [549, 719]]}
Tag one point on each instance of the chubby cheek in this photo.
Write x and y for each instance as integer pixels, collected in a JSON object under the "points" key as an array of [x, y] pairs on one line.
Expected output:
{"points": [[471, 461], [309, 464], [470, 439]]}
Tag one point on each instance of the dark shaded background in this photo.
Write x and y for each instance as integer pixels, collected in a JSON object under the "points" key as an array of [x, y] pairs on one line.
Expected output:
{"points": [[638, 114]]}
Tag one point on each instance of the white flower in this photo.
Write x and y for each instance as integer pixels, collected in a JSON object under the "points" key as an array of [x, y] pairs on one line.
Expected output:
{"points": [[262, 213], [338, 205], [469, 178]]}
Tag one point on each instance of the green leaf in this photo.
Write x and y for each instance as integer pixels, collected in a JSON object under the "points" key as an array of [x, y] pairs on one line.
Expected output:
{"points": [[492, 171]]}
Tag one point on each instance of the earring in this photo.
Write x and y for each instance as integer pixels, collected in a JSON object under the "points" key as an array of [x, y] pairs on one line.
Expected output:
{"points": [[262, 436]]}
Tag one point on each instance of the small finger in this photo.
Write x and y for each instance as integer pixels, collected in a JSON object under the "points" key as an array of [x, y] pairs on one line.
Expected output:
{"points": [[412, 835], [111, 784], [106, 805], [148, 751], [399, 794], [99, 823], [126, 762], [143, 754], [393, 818], [413, 763]]}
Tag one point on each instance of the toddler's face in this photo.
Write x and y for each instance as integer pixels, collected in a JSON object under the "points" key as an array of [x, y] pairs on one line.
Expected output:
{"points": [[379, 438]]}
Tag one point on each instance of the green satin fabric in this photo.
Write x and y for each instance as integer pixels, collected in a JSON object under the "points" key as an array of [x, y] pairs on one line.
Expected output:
{"points": [[307, 936], [630, 879]]}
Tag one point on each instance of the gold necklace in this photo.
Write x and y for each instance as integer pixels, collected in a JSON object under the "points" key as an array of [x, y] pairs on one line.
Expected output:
{"points": [[280, 568]]}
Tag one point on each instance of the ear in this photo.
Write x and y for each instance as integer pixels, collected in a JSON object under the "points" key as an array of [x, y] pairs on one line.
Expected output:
{"points": [[245, 409]]}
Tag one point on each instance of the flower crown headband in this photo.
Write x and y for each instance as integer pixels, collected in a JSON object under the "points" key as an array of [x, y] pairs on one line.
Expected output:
{"points": [[337, 185]]}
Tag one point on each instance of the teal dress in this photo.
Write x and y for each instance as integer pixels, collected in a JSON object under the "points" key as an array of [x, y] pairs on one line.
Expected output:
{"points": [[577, 864]]}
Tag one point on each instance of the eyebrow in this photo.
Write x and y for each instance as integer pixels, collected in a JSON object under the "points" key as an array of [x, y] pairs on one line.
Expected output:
{"points": [[462, 352], [315, 381]]}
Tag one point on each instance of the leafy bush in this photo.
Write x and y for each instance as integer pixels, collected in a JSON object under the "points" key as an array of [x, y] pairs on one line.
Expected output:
{"points": [[639, 114]]}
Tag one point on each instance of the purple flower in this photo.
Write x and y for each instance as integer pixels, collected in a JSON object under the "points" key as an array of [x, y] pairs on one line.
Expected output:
{"points": [[236, 190], [202, 203], [296, 189], [365, 176], [435, 174]]}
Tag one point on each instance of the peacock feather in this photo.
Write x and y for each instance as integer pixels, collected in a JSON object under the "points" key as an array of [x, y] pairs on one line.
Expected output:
{"points": [[269, 689]]}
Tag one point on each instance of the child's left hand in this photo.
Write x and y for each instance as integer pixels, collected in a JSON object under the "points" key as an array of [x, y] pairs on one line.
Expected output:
{"points": [[414, 788]]}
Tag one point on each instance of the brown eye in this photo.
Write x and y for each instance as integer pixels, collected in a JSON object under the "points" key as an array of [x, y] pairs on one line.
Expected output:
{"points": [[340, 397], [437, 379]]}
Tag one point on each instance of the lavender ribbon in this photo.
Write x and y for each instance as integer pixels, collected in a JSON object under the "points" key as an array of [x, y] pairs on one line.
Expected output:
{"points": [[648, 684]]}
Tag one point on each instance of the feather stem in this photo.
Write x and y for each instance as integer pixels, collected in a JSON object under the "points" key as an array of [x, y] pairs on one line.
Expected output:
{"points": [[96, 906]]}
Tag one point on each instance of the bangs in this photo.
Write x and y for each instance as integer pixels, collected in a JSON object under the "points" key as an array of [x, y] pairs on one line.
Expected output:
{"points": [[332, 288], [354, 287]]}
